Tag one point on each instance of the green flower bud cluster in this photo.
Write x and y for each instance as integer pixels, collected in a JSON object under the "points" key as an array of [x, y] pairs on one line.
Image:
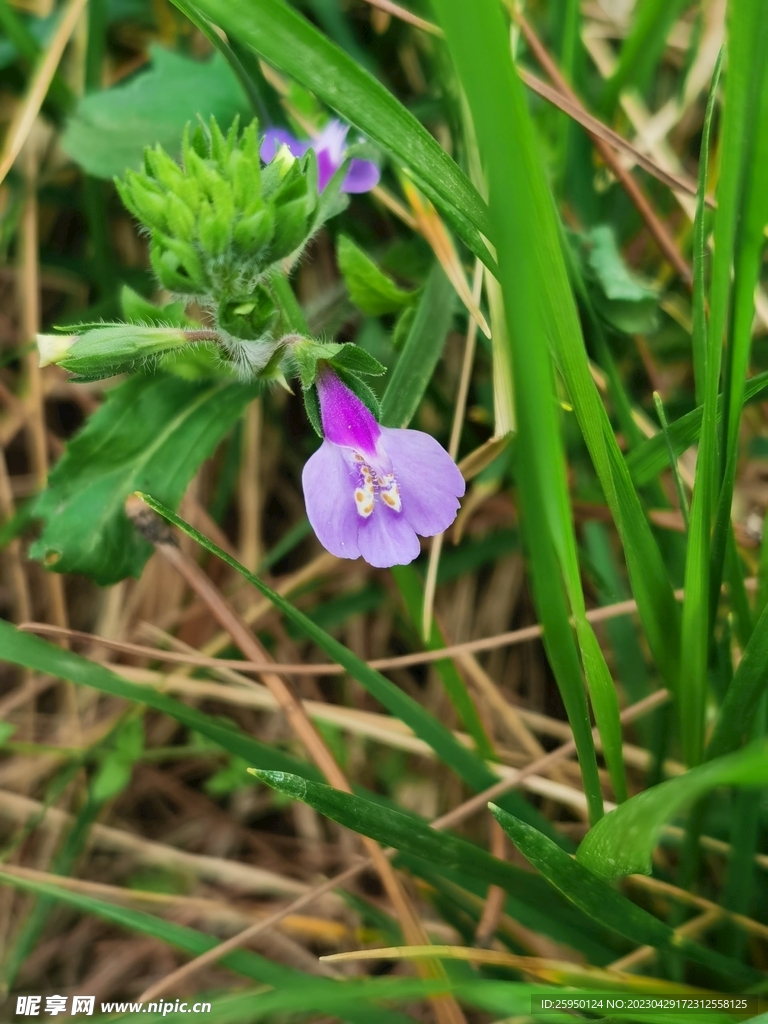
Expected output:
{"points": [[219, 222]]}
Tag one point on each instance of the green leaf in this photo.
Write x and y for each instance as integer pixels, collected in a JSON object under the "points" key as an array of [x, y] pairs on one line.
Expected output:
{"points": [[421, 351], [370, 290], [467, 765], [31, 652], [624, 301], [152, 432], [355, 359], [623, 841], [395, 828], [283, 38], [114, 773], [347, 358], [749, 43], [596, 898], [110, 129]]}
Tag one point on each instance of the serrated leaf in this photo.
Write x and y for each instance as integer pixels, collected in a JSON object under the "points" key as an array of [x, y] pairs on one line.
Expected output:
{"points": [[623, 841], [357, 360], [152, 432], [370, 290], [109, 130]]}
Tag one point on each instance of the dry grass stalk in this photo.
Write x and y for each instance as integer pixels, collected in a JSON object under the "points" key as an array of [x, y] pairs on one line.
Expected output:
{"points": [[446, 1008]]}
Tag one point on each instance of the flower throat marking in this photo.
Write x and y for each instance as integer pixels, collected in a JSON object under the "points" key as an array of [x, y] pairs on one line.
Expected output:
{"points": [[370, 482]]}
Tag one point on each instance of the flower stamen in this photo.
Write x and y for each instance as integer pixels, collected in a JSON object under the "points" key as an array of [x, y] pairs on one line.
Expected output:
{"points": [[371, 483]]}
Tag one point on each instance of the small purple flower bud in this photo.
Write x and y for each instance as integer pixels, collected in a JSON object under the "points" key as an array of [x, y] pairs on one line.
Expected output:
{"points": [[330, 147], [369, 490]]}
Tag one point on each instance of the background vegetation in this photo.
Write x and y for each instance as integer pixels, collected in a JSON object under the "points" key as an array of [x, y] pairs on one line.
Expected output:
{"points": [[562, 273]]}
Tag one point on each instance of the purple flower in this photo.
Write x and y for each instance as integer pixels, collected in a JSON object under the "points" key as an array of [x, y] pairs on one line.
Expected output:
{"points": [[370, 489], [330, 147]]}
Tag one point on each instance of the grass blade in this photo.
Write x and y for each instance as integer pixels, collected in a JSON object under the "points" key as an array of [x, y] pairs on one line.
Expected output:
{"points": [[623, 841], [467, 765], [746, 104], [31, 652], [243, 962], [421, 352], [736, 715], [596, 898], [521, 209]]}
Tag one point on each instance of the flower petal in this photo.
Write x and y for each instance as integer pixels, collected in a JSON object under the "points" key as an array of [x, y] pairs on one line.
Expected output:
{"points": [[346, 421], [363, 175], [332, 140], [329, 485], [274, 138], [428, 479], [386, 539], [326, 168]]}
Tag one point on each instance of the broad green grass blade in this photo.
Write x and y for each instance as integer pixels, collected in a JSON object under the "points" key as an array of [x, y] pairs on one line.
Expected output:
{"points": [[623, 841], [528, 245], [413, 596], [31, 652], [540, 286], [746, 102], [283, 38], [243, 962], [464, 762], [596, 898], [590, 893], [395, 828], [421, 352], [737, 712], [460, 900], [750, 242]]}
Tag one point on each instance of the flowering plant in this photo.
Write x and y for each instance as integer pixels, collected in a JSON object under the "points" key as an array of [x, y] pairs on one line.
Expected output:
{"points": [[370, 489], [220, 226]]}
